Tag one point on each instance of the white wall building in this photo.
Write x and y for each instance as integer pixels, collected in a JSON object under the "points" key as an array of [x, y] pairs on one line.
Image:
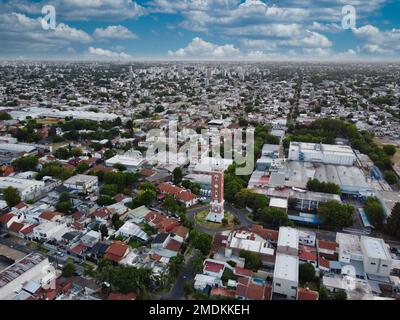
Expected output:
{"points": [[27, 188], [323, 153], [288, 241], [349, 247], [48, 230], [132, 160], [377, 258], [82, 183], [286, 275], [33, 267]]}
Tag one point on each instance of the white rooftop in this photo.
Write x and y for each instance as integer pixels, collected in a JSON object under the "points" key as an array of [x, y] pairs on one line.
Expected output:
{"points": [[286, 267], [278, 203], [375, 248], [288, 237]]}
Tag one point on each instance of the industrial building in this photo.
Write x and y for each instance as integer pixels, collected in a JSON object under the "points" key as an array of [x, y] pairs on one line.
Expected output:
{"points": [[28, 189], [33, 267], [11, 151], [132, 161], [377, 258], [322, 153]]}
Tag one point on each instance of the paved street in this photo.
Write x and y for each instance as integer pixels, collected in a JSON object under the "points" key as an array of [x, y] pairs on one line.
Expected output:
{"points": [[177, 291]]}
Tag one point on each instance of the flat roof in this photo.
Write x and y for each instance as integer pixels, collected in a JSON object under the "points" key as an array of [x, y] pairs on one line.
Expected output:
{"points": [[323, 148], [347, 177], [80, 178], [286, 267], [278, 203], [375, 248], [288, 237], [19, 183]]}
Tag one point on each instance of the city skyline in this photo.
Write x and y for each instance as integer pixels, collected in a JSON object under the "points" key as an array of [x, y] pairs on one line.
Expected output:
{"points": [[232, 30]]}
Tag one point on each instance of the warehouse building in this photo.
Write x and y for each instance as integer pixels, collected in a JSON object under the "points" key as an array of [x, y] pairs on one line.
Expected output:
{"points": [[322, 153], [28, 189]]}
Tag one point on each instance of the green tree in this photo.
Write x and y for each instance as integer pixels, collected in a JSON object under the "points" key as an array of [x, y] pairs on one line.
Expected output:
{"points": [[120, 167], [177, 175], [390, 150], [64, 206], [375, 212], [109, 190], [323, 293], [82, 167], [25, 163], [148, 186], [253, 260], [5, 116], [306, 272], [393, 222], [340, 295], [69, 269], [175, 266], [390, 177], [201, 241], [188, 288], [11, 196], [104, 231], [336, 215], [274, 217]]}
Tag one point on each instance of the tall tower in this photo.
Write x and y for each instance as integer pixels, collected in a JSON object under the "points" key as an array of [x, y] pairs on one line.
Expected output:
{"points": [[216, 213]]}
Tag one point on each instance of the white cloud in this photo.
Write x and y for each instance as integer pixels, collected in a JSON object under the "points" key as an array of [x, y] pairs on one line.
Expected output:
{"points": [[104, 53], [200, 49], [114, 32], [106, 10], [19, 32], [377, 41]]}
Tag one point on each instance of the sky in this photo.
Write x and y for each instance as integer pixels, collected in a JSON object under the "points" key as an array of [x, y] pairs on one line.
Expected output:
{"points": [[254, 30]]}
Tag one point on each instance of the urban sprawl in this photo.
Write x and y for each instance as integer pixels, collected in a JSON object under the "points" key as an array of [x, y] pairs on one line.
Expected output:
{"points": [[94, 206]]}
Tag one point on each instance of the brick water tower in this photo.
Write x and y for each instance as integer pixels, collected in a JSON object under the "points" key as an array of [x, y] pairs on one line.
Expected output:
{"points": [[217, 211]]}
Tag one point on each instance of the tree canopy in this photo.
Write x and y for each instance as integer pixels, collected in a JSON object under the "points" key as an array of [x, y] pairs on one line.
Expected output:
{"points": [[336, 215]]}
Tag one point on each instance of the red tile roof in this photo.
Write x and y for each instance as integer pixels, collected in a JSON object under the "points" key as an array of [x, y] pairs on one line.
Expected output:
{"points": [[213, 266], [5, 218], [49, 215], [243, 272], [179, 193], [102, 213], [116, 251], [78, 249], [161, 222], [20, 205], [267, 234], [146, 172], [173, 245], [223, 292], [122, 297], [307, 294], [249, 290], [28, 229], [181, 231], [324, 262], [16, 226], [327, 245]]}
